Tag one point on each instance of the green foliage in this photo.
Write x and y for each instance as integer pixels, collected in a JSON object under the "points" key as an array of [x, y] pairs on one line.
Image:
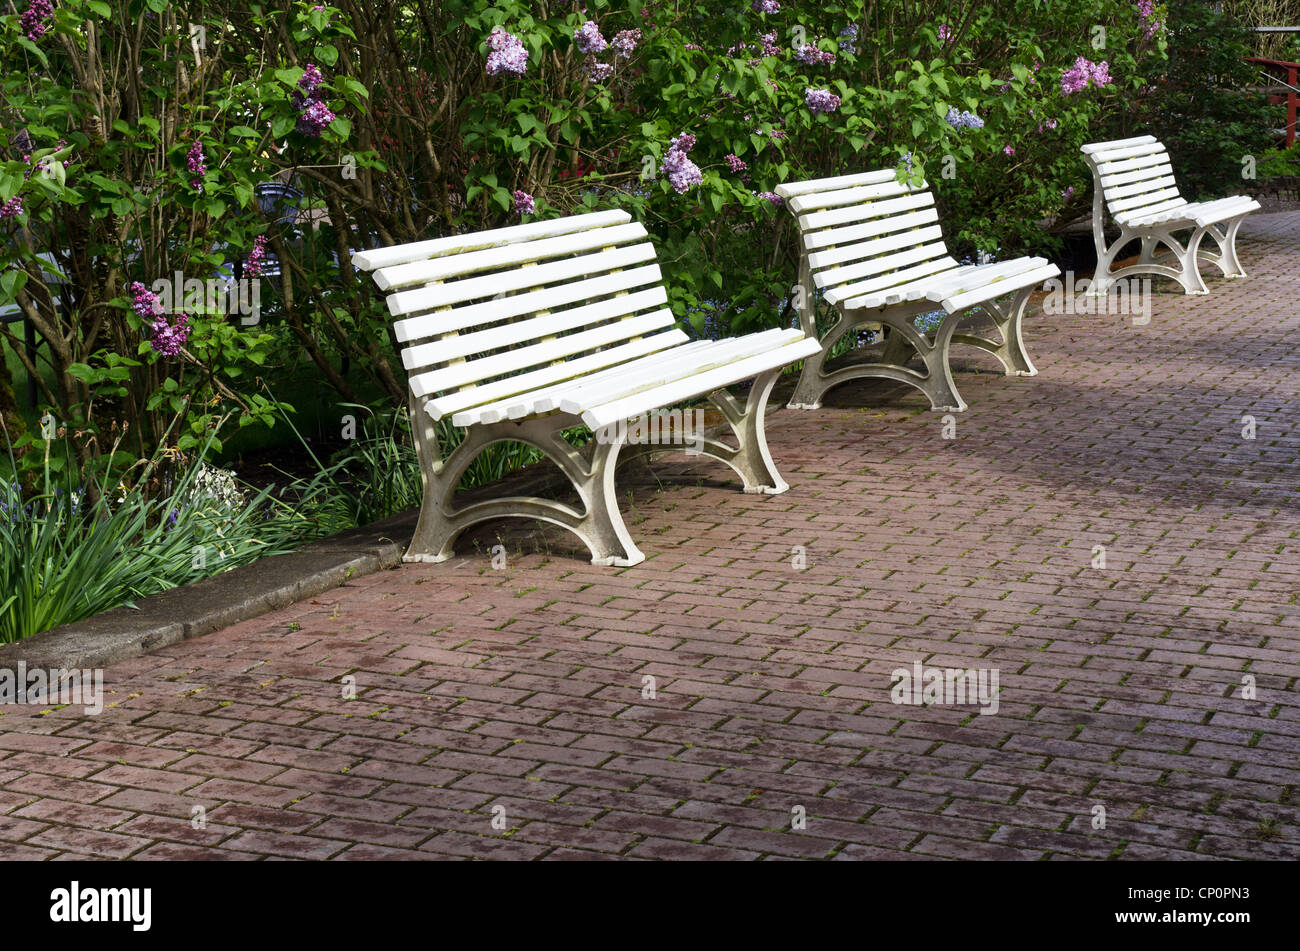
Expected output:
{"points": [[1201, 107], [69, 552]]}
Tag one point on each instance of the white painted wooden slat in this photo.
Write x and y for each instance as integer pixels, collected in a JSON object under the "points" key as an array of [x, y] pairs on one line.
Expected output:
{"points": [[698, 385], [898, 293], [456, 244], [790, 190], [519, 358], [1127, 153], [847, 235], [868, 249], [1123, 178], [443, 268], [1094, 147], [883, 265], [473, 315], [948, 285], [1138, 201], [534, 328], [463, 400], [882, 227], [1160, 212], [1134, 164], [1216, 211], [836, 295], [474, 288], [546, 399], [1138, 188], [999, 288], [848, 196], [867, 210], [650, 373]]}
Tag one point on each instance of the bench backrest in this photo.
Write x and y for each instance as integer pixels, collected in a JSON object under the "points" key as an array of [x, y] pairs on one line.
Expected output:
{"points": [[1131, 178], [863, 234], [483, 316]]}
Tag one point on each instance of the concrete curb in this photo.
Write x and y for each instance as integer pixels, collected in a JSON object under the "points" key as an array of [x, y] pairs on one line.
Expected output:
{"points": [[205, 606]]}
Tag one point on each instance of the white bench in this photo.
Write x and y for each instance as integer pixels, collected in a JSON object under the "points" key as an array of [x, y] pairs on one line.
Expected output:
{"points": [[872, 246], [521, 333], [1134, 181]]}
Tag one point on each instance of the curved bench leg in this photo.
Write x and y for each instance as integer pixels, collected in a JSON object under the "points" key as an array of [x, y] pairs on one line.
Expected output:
{"points": [[751, 459], [1011, 349], [808, 391], [1227, 242], [1189, 269], [590, 470]]}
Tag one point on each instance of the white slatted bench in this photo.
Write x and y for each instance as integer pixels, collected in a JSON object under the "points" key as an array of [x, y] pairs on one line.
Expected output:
{"points": [[1134, 181], [872, 246], [521, 333]]}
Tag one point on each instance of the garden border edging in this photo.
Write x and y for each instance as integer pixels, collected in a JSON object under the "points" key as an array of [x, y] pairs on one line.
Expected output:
{"points": [[205, 606]]}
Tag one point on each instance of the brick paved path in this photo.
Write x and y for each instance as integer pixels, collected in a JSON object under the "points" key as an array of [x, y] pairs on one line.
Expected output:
{"points": [[523, 688]]}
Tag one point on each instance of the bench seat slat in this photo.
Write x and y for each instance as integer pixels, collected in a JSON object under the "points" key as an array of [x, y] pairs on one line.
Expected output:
{"points": [[999, 288], [500, 389], [519, 358], [585, 393], [699, 384], [903, 276], [884, 264]]}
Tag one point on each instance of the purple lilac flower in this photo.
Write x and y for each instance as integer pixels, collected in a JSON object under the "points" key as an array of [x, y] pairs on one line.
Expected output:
{"points": [[588, 38], [820, 101], [625, 41], [682, 173], [906, 160], [810, 55], [253, 266], [773, 197], [945, 33], [194, 162], [1146, 12], [32, 22], [507, 53], [770, 45], [12, 208], [144, 301], [736, 163], [1077, 77], [314, 118], [1008, 150], [766, 6], [598, 72], [523, 203], [1067, 194], [311, 78], [848, 39], [167, 338], [963, 120]]}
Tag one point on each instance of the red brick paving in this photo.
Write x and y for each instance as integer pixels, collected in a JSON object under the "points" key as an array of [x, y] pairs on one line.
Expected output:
{"points": [[517, 694]]}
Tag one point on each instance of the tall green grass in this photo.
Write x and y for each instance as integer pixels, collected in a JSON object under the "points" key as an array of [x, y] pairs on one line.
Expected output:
{"points": [[64, 557]]}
